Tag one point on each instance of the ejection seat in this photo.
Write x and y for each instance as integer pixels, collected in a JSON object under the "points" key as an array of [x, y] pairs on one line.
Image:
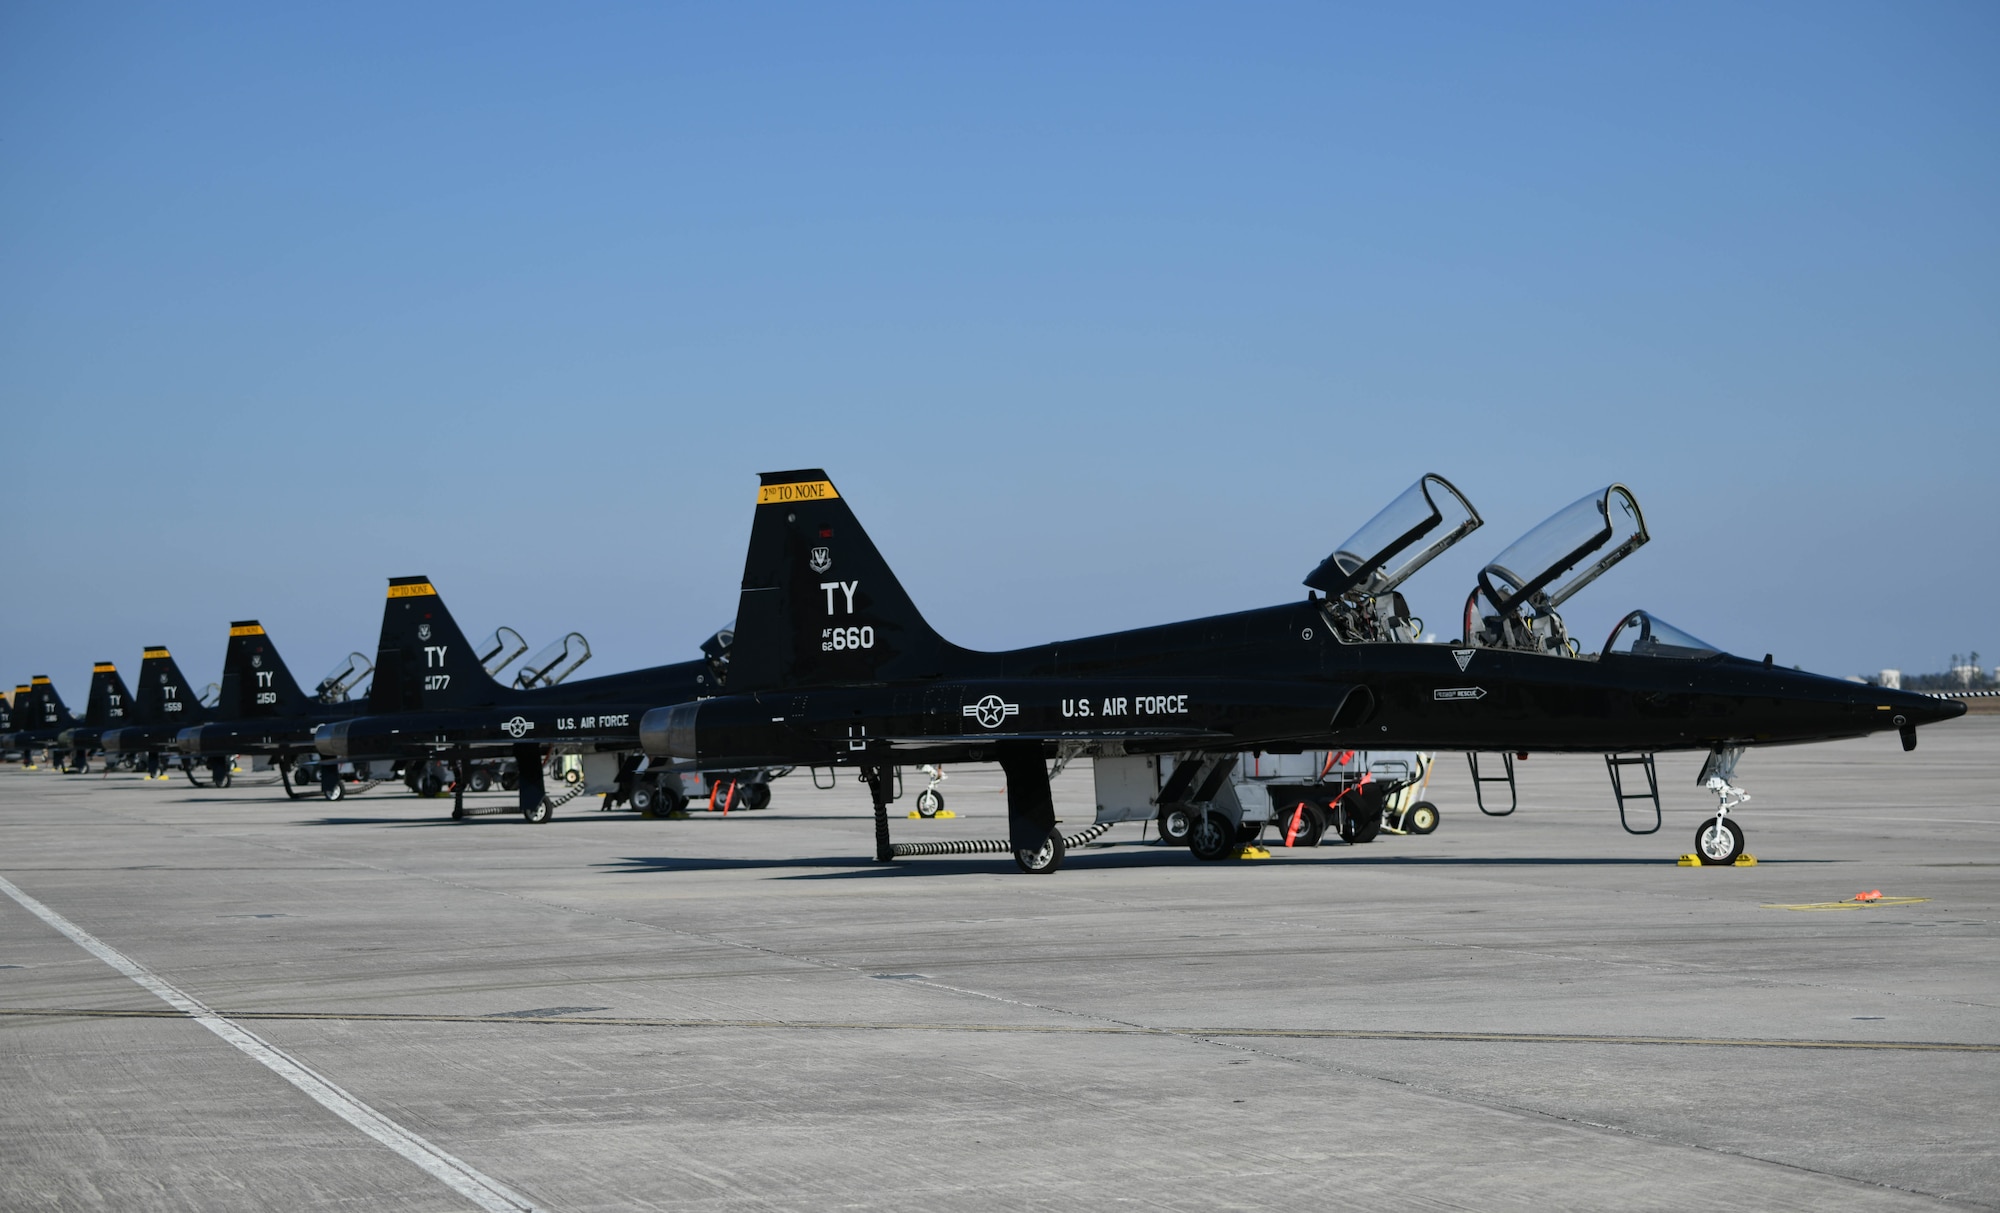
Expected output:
{"points": [[1359, 580], [1514, 604]]}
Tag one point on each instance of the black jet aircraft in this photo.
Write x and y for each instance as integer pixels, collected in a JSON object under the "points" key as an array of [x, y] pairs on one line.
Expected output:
{"points": [[261, 711], [39, 719], [7, 719], [833, 665], [108, 706], [164, 704], [432, 695]]}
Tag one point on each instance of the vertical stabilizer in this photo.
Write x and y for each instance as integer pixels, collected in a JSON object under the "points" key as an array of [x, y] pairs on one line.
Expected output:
{"points": [[255, 682], [45, 706], [164, 695], [423, 661], [819, 604], [110, 704]]}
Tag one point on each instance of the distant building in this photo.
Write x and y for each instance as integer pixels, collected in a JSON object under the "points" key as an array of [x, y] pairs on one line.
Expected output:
{"points": [[1965, 675], [1893, 679]]}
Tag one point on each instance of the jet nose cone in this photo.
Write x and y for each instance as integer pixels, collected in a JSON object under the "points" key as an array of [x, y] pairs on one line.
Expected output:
{"points": [[1930, 709]]}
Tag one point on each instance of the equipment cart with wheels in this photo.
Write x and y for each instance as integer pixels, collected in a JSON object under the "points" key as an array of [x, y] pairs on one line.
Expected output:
{"points": [[1216, 803]]}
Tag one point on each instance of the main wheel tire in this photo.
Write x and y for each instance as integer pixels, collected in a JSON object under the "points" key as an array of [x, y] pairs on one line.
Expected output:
{"points": [[644, 798], [754, 796], [222, 780], [510, 781], [540, 813], [929, 802], [1422, 818], [333, 791], [481, 780], [1175, 824], [1043, 861], [1359, 825], [1212, 837], [1718, 841], [430, 786], [1312, 826]]}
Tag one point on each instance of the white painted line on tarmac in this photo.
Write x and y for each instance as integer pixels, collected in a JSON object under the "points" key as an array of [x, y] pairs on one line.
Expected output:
{"points": [[481, 1190]]}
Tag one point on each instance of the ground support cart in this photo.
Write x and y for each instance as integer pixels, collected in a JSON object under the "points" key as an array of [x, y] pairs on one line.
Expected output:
{"points": [[1217, 804]]}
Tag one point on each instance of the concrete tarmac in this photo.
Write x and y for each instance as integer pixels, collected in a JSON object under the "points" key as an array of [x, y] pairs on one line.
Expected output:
{"points": [[606, 1012]]}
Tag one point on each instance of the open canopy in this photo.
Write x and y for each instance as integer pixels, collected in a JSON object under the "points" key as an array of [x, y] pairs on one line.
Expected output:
{"points": [[499, 650], [1383, 553], [554, 663], [1579, 542], [344, 681]]}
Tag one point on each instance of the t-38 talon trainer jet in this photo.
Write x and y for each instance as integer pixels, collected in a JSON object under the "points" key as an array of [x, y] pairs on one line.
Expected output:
{"points": [[108, 706], [833, 664], [39, 719], [261, 711], [164, 704], [432, 695], [14, 711]]}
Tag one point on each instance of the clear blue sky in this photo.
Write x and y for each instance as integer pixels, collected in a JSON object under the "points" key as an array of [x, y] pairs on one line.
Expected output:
{"points": [[1102, 316]]}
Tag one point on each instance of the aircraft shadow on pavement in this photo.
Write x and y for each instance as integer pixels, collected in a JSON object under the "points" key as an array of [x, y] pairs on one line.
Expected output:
{"points": [[634, 865], [507, 819], [851, 867]]}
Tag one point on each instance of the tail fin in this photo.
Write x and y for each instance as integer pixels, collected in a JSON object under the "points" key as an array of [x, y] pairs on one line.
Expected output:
{"points": [[19, 717], [45, 706], [423, 660], [255, 682], [110, 704], [165, 695], [819, 604]]}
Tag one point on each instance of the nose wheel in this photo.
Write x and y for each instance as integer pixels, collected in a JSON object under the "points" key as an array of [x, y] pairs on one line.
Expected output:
{"points": [[1718, 841]]}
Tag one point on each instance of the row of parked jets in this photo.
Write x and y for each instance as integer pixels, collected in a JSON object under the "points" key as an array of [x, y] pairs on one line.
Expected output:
{"points": [[830, 664]]}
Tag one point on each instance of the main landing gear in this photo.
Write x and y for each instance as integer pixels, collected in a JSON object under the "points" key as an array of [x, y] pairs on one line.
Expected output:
{"points": [[535, 806]]}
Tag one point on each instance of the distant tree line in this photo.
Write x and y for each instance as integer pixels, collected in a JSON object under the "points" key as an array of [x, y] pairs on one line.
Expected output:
{"points": [[1965, 674]]}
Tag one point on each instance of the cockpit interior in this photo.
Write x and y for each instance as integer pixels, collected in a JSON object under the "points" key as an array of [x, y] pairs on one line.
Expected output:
{"points": [[1514, 606], [1359, 580]]}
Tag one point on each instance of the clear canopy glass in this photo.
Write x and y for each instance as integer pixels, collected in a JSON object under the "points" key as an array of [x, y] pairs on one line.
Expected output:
{"points": [[1384, 552], [1642, 635], [344, 679], [499, 650], [717, 646], [1607, 521], [554, 663]]}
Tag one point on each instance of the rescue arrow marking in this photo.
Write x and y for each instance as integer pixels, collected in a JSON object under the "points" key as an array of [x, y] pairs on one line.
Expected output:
{"points": [[1443, 693]]}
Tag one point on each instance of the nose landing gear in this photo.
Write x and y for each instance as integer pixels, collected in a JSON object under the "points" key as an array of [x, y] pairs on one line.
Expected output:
{"points": [[1719, 840]]}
